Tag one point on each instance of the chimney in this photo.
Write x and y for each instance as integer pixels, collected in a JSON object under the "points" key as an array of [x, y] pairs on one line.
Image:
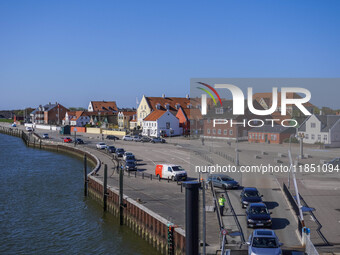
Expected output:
{"points": [[163, 95], [320, 112], [187, 96]]}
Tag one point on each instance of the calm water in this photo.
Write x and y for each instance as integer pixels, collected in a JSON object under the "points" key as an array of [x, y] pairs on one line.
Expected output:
{"points": [[43, 210]]}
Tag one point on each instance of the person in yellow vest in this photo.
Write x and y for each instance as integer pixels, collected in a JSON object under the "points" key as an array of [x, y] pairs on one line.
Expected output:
{"points": [[221, 202]]}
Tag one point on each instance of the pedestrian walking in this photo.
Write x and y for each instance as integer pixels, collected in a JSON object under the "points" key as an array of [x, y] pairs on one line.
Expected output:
{"points": [[221, 202]]}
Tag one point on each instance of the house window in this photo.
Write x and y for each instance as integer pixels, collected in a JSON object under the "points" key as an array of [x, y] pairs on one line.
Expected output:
{"points": [[208, 131], [230, 132], [225, 131], [219, 131], [168, 125], [256, 136], [158, 106], [313, 125], [219, 110], [319, 137], [325, 138], [214, 131], [249, 136], [208, 120], [306, 136], [313, 137]]}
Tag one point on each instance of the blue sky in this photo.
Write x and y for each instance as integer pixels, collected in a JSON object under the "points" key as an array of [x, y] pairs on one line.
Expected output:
{"points": [[76, 51]]}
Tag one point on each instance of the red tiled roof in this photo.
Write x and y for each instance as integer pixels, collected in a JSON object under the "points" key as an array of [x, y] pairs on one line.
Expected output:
{"points": [[155, 115], [172, 101], [128, 113], [106, 106]]}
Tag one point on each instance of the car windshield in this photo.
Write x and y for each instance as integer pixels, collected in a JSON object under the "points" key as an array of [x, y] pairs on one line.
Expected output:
{"points": [[177, 168], [101, 143], [120, 150], [265, 242], [111, 147], [251, 193], [258, 210], [131, 157], [226, 178]]}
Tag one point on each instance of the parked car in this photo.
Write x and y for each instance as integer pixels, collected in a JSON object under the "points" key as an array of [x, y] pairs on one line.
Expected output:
{"points": [[157, 140], [127, 154], [14, 125], [335, 162], [222, 181], [145, 139], [112, 137], [137, 138], [264, 241], [130, 158], [130, 166], [29, 129], [101, 146], [174, 172], [120, 152], [111, 149], [258, 215], [79, 141], [45, 136], [250, 195], [67, 140], [127, 138]]}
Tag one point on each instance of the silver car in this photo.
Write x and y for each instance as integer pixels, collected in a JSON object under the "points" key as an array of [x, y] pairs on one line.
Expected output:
{"points": [[264, 242]]}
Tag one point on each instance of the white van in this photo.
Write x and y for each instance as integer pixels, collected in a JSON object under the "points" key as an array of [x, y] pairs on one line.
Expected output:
{"points": [[173, 172]]}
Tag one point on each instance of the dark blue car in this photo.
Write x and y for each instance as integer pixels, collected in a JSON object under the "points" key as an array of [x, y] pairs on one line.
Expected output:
{"points": [[250, 195], [258, 215]]}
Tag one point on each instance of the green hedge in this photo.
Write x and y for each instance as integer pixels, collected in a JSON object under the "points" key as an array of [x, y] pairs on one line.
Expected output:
{"points": [[6, 120]]}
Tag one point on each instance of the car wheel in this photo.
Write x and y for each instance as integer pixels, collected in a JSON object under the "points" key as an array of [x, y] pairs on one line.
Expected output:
{"points": [[173, 178]]}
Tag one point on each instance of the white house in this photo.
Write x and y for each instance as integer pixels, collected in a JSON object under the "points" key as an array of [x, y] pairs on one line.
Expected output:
{"points": [[76, 118], [321, 129], [161, 122]]}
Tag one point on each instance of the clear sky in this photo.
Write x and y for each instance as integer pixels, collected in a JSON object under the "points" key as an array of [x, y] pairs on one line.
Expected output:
{"points": [[76, 51]]}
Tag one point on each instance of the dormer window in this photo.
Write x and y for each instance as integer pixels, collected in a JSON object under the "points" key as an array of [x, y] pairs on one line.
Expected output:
{"points": [[177, 106], [167, 106], [158, 106], [198, 106], [189, 106]]}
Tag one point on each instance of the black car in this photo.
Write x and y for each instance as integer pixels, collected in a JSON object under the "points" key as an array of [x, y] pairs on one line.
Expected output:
{"points": [[112, 137], [222, 181], [258, 215], [130, 165], [79, 141], [120, 152], [111, 149], [250, 195]]}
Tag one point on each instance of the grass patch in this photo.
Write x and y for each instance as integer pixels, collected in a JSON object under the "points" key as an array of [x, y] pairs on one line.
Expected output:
{"points": [[6, 120]]}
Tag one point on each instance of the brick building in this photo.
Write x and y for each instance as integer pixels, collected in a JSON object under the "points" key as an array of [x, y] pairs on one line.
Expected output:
{"points": [[228, 130], [49, 114], [269, 134]]}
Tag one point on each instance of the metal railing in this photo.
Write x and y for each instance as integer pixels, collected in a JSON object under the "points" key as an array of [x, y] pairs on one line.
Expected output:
{"points": [[310, 248]]}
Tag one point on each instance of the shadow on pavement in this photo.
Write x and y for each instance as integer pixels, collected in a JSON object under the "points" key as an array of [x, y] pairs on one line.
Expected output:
{"points": [[279, 223]]}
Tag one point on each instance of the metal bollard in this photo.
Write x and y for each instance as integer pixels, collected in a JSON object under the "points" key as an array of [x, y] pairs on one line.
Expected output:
{"points": [[142, 175], [151, 177]]}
